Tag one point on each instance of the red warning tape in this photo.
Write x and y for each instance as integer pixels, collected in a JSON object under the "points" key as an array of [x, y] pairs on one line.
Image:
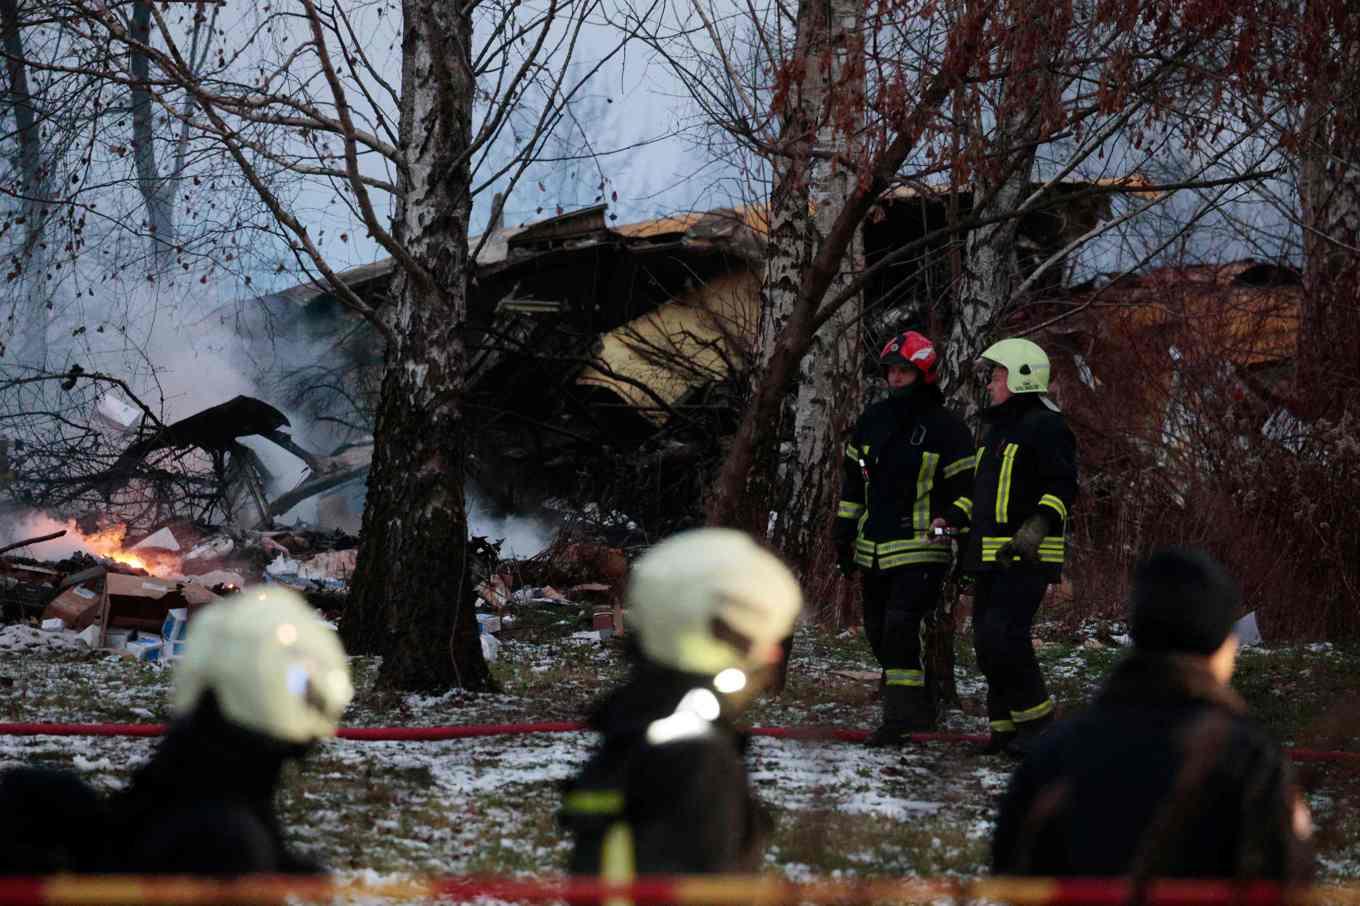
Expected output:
{"points": [[434, 734], [705, 890]]}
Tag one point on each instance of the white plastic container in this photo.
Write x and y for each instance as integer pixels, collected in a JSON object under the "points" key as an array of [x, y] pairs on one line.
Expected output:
{"points": [[173, 632], [146, 649]]}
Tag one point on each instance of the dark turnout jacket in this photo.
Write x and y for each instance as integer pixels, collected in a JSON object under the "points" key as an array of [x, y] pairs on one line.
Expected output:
{"points": [[677, 803], [1026, 464], [907, 460], [204, 803], [1164, 776]]}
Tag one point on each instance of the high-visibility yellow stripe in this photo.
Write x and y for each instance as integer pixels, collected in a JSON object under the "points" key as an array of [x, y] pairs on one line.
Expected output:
{"points": [[1003, 726], [906, 544], [1051, 550], [966, 505], [852, 451], [960, 465], [864, 544], [618, 862], [1043, 709], [1050, 500], [848, 509], [940, 556], [593, 802], [925, 480], [1003, 485], [905, 677]]}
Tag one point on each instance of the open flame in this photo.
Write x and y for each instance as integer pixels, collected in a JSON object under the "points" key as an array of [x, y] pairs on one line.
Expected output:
{"points": [[108, 543]]}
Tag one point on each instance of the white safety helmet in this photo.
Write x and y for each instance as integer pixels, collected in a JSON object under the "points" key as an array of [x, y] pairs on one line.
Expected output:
{"points": [[711, 600], [274, 666]]}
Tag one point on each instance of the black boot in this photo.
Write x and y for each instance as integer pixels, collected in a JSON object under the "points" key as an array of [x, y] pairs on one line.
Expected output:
{"points": [[906, 710], [1027, 734]]}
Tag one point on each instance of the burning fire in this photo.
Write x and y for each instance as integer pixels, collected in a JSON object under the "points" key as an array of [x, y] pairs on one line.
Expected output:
{"points": [[108, 543]]}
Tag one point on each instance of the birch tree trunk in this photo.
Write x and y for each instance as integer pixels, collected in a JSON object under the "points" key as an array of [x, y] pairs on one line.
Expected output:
{"points": [[157, 190], [1327, 363], [32, 311], [420, 616], [823, 104], [1027, 109]]}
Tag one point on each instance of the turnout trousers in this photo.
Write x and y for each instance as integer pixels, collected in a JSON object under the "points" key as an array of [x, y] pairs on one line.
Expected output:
{"points": [[1004, 605], [896, 602]]}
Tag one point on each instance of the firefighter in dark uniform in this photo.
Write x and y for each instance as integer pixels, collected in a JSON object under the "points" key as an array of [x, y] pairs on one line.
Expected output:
{"points": [[261, 681], [1023, 487], [907, 460], [667, 790], [1164, 775]]}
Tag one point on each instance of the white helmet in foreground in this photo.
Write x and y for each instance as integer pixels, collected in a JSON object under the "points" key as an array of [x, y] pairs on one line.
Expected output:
{"points": [[711, 599], [274, 666]]}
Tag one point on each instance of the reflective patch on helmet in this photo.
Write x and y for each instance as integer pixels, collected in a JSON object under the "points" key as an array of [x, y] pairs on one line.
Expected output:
{"points": [[296, 679]]}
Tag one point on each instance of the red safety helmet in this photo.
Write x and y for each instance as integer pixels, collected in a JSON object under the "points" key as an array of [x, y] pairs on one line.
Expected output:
{"points": [[914, 349]]}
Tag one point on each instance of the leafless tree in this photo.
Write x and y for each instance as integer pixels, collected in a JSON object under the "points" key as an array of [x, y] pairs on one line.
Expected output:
{"points": [[305, 97]]}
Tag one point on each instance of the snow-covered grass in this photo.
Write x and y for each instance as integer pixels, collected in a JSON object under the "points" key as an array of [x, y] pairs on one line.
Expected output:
{"points": [[489, 804]]}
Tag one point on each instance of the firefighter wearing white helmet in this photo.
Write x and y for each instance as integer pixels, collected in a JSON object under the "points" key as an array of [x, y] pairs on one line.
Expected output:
{"points": [[261, 680], [667, 790], [1023, 488], [274, 667]]}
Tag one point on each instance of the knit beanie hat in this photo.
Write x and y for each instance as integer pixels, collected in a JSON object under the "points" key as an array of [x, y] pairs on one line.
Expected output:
{"points": [[1182, 601]]}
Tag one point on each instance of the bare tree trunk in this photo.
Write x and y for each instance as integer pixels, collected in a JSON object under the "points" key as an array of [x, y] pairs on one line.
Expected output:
{"points": [[812, 193], [739, 497], [1327, 363], [32, 316], [157, 190], [420, 617]]}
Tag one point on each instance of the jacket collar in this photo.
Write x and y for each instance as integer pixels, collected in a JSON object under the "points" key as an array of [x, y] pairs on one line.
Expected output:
{"points": [[1012, 409], [1147, 678], [652, 692]]}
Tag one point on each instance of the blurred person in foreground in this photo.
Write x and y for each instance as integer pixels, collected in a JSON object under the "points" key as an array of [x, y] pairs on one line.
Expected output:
{"points": [[261, 681], [667, 790], [1164, 775]]}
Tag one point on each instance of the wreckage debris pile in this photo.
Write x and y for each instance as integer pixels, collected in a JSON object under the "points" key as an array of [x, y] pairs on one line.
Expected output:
{"points": [[136, 597], [572, 583]]}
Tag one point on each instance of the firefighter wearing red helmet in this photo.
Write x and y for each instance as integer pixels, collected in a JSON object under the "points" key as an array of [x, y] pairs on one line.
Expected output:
{"points": [[908, 459]]}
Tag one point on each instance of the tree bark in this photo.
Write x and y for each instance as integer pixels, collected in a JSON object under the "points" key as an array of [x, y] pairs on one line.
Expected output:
{"points": [[33, 317], [157, 191], [800, 476], [412, 598], [1327, 364], [738, 498]]}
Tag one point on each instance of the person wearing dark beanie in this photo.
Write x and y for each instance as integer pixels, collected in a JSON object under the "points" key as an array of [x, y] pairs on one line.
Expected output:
{"points": [[1182, 600], [1164, 775]]}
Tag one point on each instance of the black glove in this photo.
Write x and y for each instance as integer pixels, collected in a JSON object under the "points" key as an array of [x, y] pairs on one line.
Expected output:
{"points": [[845, 559], [1024, 547]]}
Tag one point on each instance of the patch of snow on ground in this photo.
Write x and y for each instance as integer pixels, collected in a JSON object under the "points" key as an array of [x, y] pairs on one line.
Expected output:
{"points": [[20, 637]]}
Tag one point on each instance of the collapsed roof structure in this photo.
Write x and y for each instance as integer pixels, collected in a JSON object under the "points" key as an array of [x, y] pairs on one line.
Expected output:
{"points": [[596, 349]]}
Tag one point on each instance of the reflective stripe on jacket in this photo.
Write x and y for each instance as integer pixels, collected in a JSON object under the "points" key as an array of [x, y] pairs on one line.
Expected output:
{"points": [[1027, 464], [906, 461]]}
